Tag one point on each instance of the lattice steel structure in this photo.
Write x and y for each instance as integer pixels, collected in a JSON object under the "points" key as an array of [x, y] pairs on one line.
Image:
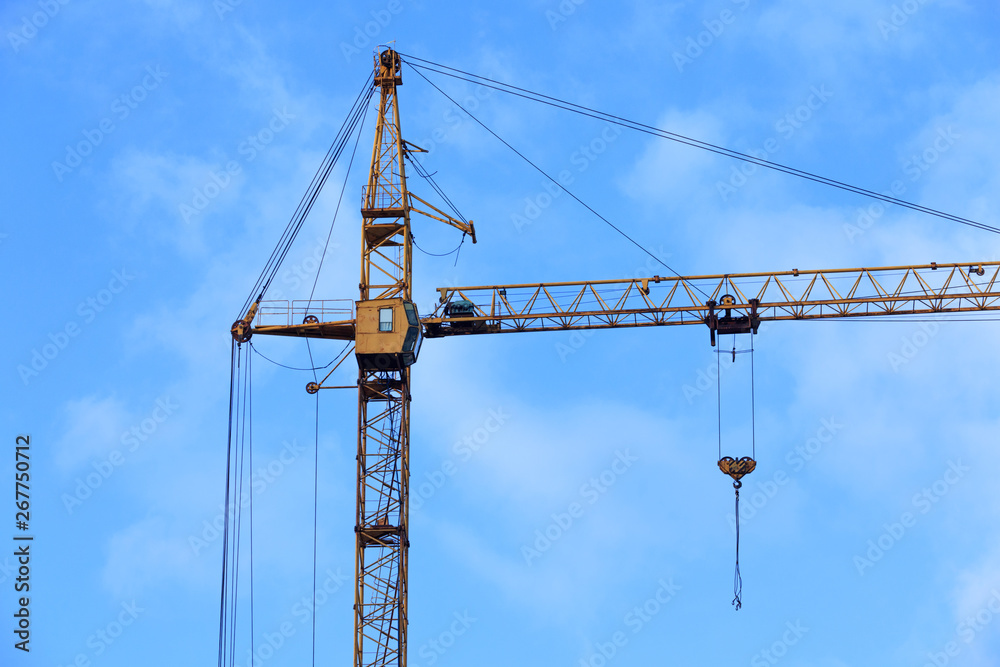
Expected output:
{"points": [[720, 300], [386, 330], [383, 476]]}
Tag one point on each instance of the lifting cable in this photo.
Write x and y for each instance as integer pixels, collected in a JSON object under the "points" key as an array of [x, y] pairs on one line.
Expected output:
{"points": [[316, 484], [737, 468], [357, 112], [239, 459], [234, 361], [316, 493], [315, 526], [682, 139], [239, 468], [248, 429]]}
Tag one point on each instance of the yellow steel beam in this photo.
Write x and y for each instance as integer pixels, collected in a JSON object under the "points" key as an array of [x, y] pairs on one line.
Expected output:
{"points": [[664, 301], [660, 301], [443, 217]]}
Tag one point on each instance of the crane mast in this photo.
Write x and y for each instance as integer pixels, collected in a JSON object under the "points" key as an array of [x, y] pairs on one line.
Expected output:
{"points": [[387, 334], [383, 460]]}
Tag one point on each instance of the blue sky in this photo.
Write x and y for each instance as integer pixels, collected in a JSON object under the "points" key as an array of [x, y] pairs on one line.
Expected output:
{"points": [[154, 151]]}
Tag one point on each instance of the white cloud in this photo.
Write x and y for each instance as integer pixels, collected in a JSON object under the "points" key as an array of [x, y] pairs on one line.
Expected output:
{"points": [[153, 187], [148, 554], [94, 427], [958, 170], [977, 585], [668, 171], [185, 14], [827, 32]]}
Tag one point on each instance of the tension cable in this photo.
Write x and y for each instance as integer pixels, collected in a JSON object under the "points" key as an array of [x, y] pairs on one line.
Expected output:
{"points": [[552, 179], [305, 205], [469, 77]]}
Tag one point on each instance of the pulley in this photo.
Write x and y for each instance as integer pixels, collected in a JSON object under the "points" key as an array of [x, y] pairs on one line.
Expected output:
{"points": [[729, 323], [737, 468]]}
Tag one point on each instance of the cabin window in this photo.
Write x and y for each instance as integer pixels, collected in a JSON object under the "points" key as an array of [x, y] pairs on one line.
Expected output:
{"points": [[385, 319], [411, 314]]}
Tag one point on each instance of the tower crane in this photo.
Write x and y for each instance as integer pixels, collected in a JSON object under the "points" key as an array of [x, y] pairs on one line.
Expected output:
{"points": [[387, 332]]}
